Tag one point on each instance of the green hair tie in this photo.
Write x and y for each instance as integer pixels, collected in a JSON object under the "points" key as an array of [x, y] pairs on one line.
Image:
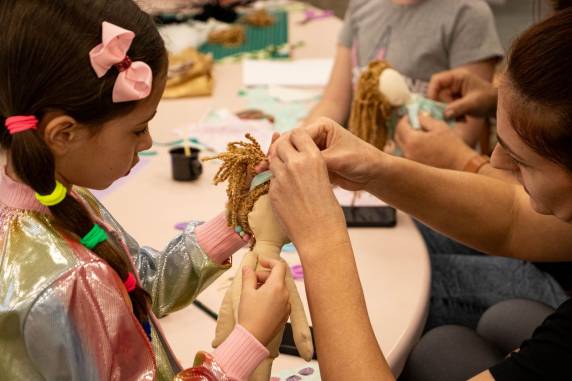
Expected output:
{"points": [[95, 236]]}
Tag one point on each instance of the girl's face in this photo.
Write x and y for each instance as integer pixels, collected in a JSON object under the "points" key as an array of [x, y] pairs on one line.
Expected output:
{"points": [[548, 184], [95, 161]]}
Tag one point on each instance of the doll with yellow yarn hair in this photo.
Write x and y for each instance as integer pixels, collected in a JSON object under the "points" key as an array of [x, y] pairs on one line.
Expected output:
{"points": [[250, 213], [382, 98]]}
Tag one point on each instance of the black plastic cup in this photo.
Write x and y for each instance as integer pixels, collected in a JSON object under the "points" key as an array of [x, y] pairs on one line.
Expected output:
{"points": [[185, 168]]}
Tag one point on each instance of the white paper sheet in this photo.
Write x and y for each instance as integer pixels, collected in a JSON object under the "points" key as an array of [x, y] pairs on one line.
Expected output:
{"points": [[217, 135], [307, 72]]}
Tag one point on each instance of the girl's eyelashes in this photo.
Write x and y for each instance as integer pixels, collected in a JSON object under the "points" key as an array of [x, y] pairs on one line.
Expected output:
{"points": [[142, 132]]}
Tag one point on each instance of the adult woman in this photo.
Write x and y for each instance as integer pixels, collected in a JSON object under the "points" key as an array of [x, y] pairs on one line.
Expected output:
{"points": [[534, 128]]}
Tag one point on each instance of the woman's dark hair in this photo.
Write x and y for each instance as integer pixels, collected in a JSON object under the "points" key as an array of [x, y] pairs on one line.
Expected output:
{"points": [[45, 66], [540, 83], [560, 5]]}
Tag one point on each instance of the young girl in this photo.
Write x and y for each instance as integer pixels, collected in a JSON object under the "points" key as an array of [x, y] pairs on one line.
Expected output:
{"points": [[79, 298]]}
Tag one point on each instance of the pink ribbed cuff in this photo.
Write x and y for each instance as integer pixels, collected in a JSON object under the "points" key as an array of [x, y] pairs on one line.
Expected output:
{"points": [[218, 240], [240, 354]]}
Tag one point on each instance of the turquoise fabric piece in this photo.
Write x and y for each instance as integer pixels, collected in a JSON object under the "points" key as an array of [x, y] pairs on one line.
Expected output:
{"points": [[260, 179]]}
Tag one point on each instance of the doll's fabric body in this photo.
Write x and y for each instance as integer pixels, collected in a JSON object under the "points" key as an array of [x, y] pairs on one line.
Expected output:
{"points": [[66, 315]]}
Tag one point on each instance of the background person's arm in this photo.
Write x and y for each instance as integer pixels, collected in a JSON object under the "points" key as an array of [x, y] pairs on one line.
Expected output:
{"points": [[336, 101]]}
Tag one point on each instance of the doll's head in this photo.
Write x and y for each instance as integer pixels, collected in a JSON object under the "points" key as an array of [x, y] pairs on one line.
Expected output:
{"points": [[65, 115], [239, 163], [371, 108]]}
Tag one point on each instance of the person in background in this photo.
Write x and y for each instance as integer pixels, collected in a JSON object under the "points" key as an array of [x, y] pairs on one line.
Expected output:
{"points": [[418, 38]]}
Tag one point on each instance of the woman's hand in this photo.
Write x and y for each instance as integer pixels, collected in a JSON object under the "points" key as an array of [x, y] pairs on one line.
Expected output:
{"points": [[301, 193], [264, 305], [351, 162], [466, 93]]}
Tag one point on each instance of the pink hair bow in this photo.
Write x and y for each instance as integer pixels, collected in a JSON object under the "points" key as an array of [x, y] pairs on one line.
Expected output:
{"points": [[135, 78]]}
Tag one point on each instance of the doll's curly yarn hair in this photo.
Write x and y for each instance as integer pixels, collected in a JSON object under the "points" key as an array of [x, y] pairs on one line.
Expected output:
{"points": [[239, 162], [370, 108]]}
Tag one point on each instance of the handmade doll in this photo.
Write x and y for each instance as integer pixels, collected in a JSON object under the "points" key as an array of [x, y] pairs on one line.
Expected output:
{"points": [[382, 98], [250, 213]]}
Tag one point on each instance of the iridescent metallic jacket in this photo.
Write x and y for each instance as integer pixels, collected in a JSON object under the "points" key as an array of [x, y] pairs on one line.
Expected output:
{"points": [[65, 314]]}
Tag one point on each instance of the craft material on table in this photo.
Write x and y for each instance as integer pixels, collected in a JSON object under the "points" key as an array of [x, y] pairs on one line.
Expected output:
{"points": [[218, 134], [304, 72], [229, 36], [190, 74], [311, 15], [286, 115], [256, 38], [289, 94], [308, 373], [259, 18], [271, 52]]}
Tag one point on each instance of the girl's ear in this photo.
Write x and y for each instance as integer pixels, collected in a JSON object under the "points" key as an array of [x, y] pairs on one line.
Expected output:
{"points": [[61, 132]]}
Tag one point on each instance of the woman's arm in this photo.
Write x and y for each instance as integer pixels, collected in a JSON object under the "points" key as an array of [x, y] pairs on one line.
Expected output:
{"points": [[302, 198], [485, 213]]}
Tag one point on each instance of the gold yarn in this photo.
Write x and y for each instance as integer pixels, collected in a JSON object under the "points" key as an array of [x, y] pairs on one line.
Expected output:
{"points": [[259, 18], [239, 162], [230, 36], [370, 108]]}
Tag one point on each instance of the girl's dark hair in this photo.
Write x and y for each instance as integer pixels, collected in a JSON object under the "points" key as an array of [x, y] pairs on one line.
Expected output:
{"points": [[44, 66], [540, 83]]}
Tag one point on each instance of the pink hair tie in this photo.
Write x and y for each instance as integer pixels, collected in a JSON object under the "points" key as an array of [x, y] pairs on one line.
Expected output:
{"points": [[16, 124], [130, 283]]}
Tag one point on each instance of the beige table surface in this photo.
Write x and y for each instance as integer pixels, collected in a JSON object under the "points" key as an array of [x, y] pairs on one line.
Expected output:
{"points": [[393, 263]]}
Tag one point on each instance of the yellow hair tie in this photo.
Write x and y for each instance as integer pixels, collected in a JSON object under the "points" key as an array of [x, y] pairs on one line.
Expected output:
{"points": [[55, 197]]}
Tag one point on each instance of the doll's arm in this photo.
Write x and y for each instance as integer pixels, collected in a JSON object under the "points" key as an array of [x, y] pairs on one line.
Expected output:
{"points": [[300, 327]]}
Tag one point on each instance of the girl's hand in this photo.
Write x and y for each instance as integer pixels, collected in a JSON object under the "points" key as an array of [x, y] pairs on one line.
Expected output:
{"points": [[264, 305], [301, 193]]}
